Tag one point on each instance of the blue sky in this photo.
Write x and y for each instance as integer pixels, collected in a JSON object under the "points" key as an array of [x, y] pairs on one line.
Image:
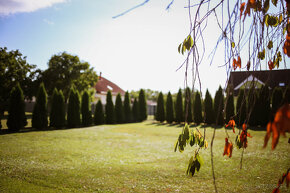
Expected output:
{"points": [[137, 50]]}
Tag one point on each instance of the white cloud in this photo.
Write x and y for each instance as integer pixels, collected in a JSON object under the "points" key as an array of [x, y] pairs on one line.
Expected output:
{"points": [[8, 7]]}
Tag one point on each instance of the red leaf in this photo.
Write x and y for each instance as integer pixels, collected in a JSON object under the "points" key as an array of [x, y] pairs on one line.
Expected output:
{"points": [[231, 124], [228, 149], [280, 125]]}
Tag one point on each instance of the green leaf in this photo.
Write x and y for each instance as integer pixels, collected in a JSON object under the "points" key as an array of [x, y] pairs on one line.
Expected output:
{"points": [[267, 20], [274, 2], [175, 146], [275, 21], [200, 159], [280, 18], [270, 45], [233, 45], [192, 140], [179, 48], [183, 49]]}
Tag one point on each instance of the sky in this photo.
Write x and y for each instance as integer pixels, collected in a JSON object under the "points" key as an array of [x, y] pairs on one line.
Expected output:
{"points": [[136, 50]]}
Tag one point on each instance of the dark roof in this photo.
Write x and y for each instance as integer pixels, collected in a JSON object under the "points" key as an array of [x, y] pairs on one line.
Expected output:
{"points": [[103, 85], [270, 77]]}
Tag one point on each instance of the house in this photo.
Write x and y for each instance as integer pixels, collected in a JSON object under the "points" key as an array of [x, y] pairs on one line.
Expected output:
{"points": [[103, 86], [246, 79]]}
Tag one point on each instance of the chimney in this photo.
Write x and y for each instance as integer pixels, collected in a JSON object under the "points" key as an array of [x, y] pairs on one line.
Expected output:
{"points": [[100, 76]]}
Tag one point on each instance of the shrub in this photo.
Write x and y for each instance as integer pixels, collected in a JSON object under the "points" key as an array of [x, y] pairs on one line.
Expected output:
{"points": [[127, 108], [86, 109], [99, 114], [135, 110], [277, 99], [119, 110], [160, 112], [110, 116], [252, 108], [219, 106], [197, 109], [188, 105], [142, 106], [264, 109], [73, 112], [179, 107], [241, 108], [39, 116], [208, 109], [16, 112], [169, 109], [230, 108]]}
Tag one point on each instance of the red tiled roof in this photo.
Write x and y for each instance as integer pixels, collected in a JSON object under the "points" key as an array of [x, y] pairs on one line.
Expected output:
{"points": [[103, 85]]}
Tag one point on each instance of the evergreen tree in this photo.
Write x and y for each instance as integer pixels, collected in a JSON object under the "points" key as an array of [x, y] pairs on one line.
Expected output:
{"points": [[99, 114], [39, 116], [110, 116], [54, 109], [253, 96], [277, 99], [135, 110], [86, 109], [142, 106], [264, 109], [219, 106], [197, 109], [179, 107], [61, 110], [73, 112], [287, 94], [16, 112], [208, 108], [188, 105], [119, 110], [160, 112], [230, 108], [169, 109], [127, 108], [241, 107]]}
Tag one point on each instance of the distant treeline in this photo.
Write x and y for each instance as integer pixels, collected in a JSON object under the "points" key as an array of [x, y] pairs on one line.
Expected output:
{"points": [[255, 107], [76, 113]]}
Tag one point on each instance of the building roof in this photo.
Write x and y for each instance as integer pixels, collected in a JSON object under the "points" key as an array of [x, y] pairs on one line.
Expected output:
{"points": [[273, 78], [104, 85]]}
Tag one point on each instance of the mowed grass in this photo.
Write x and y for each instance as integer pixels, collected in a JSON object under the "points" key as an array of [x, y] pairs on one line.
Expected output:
{"points": [[133, 158]]}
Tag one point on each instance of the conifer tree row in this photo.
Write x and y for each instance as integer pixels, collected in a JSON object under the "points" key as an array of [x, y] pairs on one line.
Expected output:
{"points": [[169, 109], [99, 114], [39, 116], [160, 112]]}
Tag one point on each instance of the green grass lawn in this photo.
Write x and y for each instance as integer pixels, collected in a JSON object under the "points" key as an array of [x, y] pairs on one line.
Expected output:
{"points": [[132, 158]]}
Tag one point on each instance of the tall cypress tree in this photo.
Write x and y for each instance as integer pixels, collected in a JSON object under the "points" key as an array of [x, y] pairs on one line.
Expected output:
{"points": [[77, 108], [197, 112], [99, 114], [119, 110], [142, 106], [110, 116], [135, 110], [230, 108], [277, 99], [188, 105], [127, 108], [252, 108], [169, 109], [219, 106], [264, 109], [54, 109], [208, 108], [160, 112], [241, 107], [179, 107], [39, 116], [86, 109], [73, 113], [16, 112], [61, 110]]}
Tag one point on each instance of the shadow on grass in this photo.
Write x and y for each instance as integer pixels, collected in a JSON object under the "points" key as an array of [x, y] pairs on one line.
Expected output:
{"points": [[30, 129]]}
